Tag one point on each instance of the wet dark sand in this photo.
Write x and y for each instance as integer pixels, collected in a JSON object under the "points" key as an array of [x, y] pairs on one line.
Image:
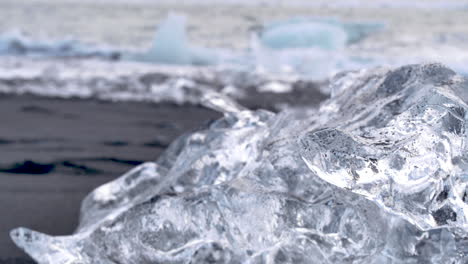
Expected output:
{"points": [[54, 152]]}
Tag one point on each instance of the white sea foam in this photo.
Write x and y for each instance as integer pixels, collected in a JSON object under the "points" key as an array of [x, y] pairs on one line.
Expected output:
{"points": [[133, 81]]}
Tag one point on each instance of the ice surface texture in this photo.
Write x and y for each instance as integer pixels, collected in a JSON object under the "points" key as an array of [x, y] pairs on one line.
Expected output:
{"points": [[377, 174]]}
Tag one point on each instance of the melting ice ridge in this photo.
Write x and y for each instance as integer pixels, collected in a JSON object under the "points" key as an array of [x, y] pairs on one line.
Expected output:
{"points": [[376, 174]]}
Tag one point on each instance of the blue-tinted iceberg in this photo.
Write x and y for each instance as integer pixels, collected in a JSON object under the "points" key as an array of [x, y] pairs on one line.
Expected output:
{"points": [[279, 46], [308, 47], [326, 34], [171, 46], [17, 43], [305, 35], [316, 47]]}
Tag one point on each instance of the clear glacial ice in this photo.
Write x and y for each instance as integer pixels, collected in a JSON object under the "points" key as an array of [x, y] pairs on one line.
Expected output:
{"points": [[375, 174]]}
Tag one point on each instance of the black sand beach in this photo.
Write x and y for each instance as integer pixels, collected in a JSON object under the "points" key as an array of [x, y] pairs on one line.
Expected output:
{"points": [[56, 151]]}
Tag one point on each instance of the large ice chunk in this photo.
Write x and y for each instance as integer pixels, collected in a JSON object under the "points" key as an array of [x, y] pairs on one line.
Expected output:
{"points": [[376, 175], [399, 142]]}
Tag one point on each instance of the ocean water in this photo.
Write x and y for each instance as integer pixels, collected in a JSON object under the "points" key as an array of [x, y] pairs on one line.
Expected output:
{"points": [[301, 39]]}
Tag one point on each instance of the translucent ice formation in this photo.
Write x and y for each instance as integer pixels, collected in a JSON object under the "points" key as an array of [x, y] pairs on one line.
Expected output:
{"points": [[313, 47], [326, 34], [171, 46], [308, 46], [17, 43], [377, 174], [304, 35]]}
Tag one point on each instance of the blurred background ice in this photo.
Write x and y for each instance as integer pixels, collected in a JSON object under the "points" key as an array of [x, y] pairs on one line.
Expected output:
{"points": [[315, 39]]}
